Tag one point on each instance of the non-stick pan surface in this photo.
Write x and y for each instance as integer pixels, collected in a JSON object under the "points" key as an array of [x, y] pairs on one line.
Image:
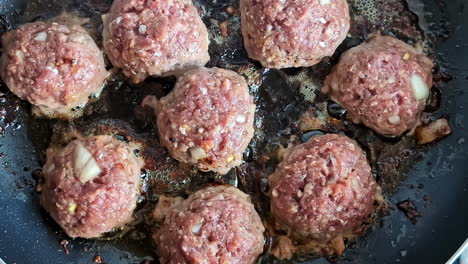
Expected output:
{"points": [[434, 177]]}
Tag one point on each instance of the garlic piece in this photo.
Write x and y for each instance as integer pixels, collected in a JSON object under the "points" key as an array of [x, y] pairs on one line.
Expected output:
{"points": [[49, 168], [274, 193], [419, 86], [52, 69], [252, 108], [72, 207], [198, 153], [41, 36], [240, 118], [182, 130], [433, 131], [142, 29], [324, 2], [84, 164], [394, 120], [196, 228]]}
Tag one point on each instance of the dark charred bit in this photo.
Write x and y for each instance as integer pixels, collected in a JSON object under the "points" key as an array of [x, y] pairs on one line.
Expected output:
{"points": [[229, 178], [441, 76], [38, 18], [433, 103], [97, 259], [64, 244], [148, 261], [39, 178], [309, 134], [291, 71], [136, 152], [336, 111], [248, 153], [410, 210], [143, 174], [333, 259], [122, 138], [37, 174]]}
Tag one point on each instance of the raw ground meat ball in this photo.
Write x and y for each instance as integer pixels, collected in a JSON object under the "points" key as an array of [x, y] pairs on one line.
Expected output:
{"points": [[214, 225], [207, 119], [91, 186], [55, 67], [146, 38], [282, 34], [323, 188], [383, 83]]}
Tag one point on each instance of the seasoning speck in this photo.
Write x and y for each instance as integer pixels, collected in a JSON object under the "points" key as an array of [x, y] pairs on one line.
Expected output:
{"points": [[230, 10], [97, 259], [410, 210], [142, 29], [64, 244], [223, 28]]}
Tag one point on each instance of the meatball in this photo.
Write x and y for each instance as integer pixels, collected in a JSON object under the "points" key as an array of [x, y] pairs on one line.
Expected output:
{"points": [[55, 67], [207, 119], [146, 38], [91, 186], [214, 225], [282, 34], [383, 83], [323, 188]]}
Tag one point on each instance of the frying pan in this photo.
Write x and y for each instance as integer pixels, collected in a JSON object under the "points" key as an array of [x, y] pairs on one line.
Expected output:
{"points": [[433, 177]]}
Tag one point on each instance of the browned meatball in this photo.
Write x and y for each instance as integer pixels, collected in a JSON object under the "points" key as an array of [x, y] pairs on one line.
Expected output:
{"points": [[55, 67], [146, 38], [323, 188], [382, 83], [207, 119], [284, 33], [91, 186], [214, 225]]}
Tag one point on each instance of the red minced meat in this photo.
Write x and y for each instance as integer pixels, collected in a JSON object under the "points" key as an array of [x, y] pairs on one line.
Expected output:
{"points": [[217, 224], [85, 200], [282, 34], [207, 119], [376, 81], [56, 67], [323, 188], [154, 38]]}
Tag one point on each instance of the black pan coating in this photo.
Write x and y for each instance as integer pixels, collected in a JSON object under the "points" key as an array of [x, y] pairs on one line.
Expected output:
{"points": [[436, 181]]}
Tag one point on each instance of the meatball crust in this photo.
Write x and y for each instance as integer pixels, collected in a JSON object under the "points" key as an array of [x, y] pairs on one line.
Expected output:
{"points": [[323, 188], [85, 200], [146, 38], [382, 83], [282, 34], [214, 225], [207, 120], [55, 67]]}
